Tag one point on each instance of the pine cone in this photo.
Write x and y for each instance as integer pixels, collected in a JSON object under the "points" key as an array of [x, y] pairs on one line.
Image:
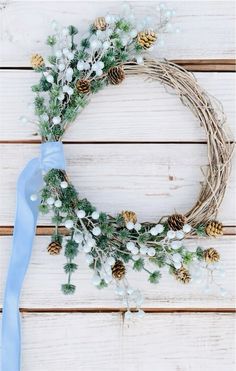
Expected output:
{"points": [[146, 39], [183, 275], [83, 86], [214, 229], [176, 222], [118, 270], [116, 75], [129, 216], [54, 248], [37, 61], [211, 255], [100, 23]]}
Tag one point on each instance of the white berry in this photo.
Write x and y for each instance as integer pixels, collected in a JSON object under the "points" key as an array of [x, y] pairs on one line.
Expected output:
{"points": [[96, 231], [176, 245], [80, 213], [78, 237], [137, 227], [64, 184], [130, 225], [95, 215], [153, 231], [50, 201], [143, 250], [159, 228], [34, 197], [58, 203], [171, 234], [179, 235], [187, 228], [135, 250], [151, 251], [130, 245], [50, 79], [111, 260]]}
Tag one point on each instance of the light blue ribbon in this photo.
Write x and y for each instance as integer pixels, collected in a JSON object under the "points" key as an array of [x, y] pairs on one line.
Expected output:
{"points": [[30, 182]]}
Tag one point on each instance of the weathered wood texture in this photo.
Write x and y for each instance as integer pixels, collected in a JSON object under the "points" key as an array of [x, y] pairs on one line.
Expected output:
{"points": [[207, 28], [153, 179], [91, 342], [136, 111], [168, 294]]}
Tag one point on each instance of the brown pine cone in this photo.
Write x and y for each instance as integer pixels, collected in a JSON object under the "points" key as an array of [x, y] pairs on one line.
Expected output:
{"points": [[129, 216], [118, 270], [211, 255], [116, 75], [176, 222], [100, 24], [54, 248], [37, 61], [146, 39], [214, 229], [183, 275], [83, 86]]}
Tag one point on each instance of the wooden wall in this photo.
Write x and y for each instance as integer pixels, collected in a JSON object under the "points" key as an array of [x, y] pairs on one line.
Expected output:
{"points": [[133, 147]]}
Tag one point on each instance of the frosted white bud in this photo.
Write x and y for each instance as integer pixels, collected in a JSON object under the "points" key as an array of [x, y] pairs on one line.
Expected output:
{"points": [[176, 245], [135, 250], [69, 224], [63, 214], [177, 265], [56, 120], [80, 213], [50, 79], [96, 231], [171, 234], [177, 258], [187, 228], [130, 245], [179, 235], [153, 231], [111, 260], [130, 225], [58, 203], [70, 91], [133, 33], [95, 215], [159, 228], [64, 184], [135, 257], [137, 227], [89, 259], [99, 73], [50, 201], [69, 71], [151, 251], [34, 197], [143, 250], [80, 65], [91, 242], [70, 56], [86, 66], [61, 96], [44, 117], [61, 67]]}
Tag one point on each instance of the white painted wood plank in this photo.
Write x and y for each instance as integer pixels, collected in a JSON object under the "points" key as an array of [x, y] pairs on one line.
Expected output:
{"points": [[91, 342], [45, 275], [207, 28], [135, 111], [152, 179]]}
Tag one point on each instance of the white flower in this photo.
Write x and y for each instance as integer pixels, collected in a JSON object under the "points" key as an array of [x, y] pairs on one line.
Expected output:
{"points": [[80, 213], [153, 231], [95, 215], [171, 234], [96, 231], [69, 224], [187, 228], [135, 250]]}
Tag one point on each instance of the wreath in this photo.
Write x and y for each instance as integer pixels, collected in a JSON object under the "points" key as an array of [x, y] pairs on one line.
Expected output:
{"points": [[114, 47]]}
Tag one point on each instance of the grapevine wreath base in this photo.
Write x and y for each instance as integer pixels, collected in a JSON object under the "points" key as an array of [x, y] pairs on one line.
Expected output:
{"points": [[113, 48]]}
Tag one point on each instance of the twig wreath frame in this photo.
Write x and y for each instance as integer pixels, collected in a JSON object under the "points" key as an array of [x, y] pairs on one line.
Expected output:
{"points": [[113, 48]]}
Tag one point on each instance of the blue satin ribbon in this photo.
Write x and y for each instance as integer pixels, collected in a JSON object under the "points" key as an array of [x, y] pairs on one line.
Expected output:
{"points": [[30, 182]]}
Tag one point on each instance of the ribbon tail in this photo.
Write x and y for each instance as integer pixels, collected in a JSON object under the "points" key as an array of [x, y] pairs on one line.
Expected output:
{"points": [[29, 182]]}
